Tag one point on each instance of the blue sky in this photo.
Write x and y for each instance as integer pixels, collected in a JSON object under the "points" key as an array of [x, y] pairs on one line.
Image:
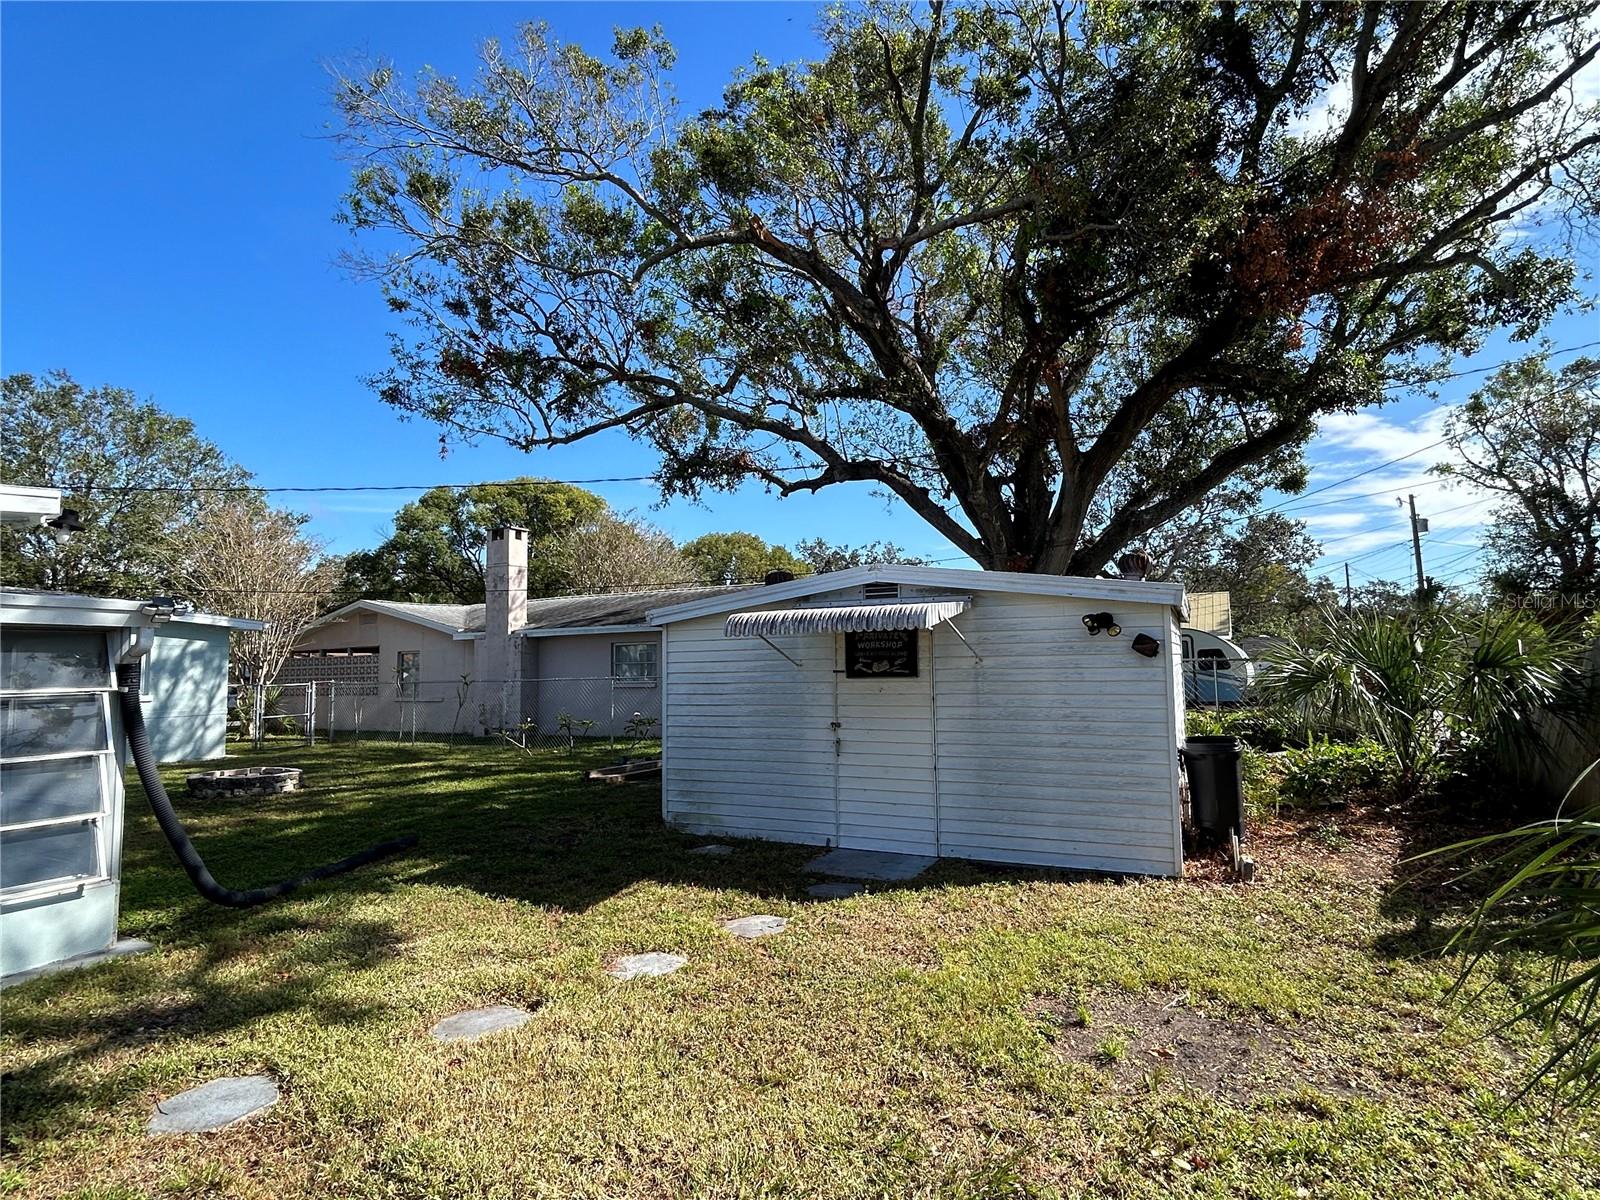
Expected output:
{"points": [[168, 195]]}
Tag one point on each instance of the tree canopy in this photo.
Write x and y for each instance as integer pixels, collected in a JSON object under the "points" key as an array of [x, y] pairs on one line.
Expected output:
{"points": [[1531, 437], [435, 552], [137, 475], [1048, 273], [614, 552], [820, 557], [245, 559], [737, 557], [1264, 565]]}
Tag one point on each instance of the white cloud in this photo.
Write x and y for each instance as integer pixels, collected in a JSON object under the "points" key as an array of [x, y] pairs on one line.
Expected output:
{"points": [[1367, 431], [1365, 517]]}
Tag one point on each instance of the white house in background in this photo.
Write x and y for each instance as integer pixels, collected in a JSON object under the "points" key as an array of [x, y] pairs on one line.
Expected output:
{"points": [[927, 711], [470, 668]]}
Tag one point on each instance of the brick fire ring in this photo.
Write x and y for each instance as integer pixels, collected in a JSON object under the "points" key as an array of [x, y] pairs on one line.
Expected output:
{"points": [[244, 781]]}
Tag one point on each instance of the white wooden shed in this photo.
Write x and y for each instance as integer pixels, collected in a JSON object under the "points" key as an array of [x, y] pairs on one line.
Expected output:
{"points": [[929, 711]]}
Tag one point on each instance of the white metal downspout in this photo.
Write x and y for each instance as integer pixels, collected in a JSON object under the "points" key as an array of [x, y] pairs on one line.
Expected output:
{"points": [[137, 643]]}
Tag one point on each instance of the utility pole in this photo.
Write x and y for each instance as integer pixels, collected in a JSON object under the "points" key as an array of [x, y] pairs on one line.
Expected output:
{"points": [[1349, 604], [1417, 526]]}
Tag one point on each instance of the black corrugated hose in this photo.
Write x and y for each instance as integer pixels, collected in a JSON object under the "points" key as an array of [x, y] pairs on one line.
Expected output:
{"points": [[178, 837]]}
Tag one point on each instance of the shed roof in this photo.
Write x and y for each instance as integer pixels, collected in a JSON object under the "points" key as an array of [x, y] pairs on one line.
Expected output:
{"points": [[35, 606], [1126, 591]]}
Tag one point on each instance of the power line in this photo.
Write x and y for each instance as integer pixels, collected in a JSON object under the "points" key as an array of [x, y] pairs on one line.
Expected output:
{"points": [[1293, 503], [1360, 496], [1325, 487], [245, 488], [1390, 387]]}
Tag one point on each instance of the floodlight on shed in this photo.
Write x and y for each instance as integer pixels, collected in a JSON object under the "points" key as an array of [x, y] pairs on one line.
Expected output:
{"points": [[1101, 622]]}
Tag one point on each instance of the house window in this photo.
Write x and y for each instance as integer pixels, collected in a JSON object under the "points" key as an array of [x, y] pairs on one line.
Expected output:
{"points": [[405, 674], [59, 764], [634, 662]]}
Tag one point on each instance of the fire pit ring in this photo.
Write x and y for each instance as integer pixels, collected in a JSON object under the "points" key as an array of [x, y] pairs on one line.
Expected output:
{"points": [[244, 781]]}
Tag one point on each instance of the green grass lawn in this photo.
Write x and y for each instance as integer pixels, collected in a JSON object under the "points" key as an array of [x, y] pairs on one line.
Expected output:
{"points": [[981, 1033]]}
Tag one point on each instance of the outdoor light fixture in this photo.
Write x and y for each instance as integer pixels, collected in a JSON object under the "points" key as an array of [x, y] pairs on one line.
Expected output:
{"points": [[67, 523], [1095, 622], [1146, 645]]}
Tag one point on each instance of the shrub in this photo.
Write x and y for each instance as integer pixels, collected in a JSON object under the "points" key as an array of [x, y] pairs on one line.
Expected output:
{"points": [[1423, 685], [1261, 727], [1263, 779], [1334, 772]]}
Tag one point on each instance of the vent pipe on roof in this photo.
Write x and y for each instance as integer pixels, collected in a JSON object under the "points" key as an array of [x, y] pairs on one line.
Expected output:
{"points": [[1134, 565], [779, 576]]}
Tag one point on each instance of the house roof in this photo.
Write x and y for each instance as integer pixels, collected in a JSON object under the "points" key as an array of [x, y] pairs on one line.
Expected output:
{"points": [[611, 612], [34, 606], [549, 616], [1127, 591]]}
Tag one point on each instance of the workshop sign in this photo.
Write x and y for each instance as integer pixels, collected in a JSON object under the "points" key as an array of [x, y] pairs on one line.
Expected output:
{"points": [[881, 654]]}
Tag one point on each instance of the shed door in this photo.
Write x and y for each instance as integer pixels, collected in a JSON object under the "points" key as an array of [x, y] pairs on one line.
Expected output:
{"points": [[885, 758]]}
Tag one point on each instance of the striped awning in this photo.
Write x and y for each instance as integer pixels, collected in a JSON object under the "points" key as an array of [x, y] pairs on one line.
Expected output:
{"points": [[855, 618]]}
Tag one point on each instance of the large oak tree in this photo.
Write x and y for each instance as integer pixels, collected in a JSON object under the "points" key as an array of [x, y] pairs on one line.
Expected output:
{"points": [[1049, 273]]}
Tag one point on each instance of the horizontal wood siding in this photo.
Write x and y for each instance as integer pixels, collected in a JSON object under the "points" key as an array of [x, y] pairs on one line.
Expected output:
{"points": [[1057, 749], [747, 744], [886, 784]]}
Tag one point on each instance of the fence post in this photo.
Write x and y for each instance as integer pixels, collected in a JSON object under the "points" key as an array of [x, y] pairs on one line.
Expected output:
{"points": [[311, 713]]}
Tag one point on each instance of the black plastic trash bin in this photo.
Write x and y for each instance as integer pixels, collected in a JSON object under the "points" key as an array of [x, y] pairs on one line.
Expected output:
{"points": [[1216, 786]]}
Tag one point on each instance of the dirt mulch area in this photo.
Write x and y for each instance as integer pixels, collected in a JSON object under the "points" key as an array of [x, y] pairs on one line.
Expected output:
{"points": [[1368, 844], [1150, 1038]]}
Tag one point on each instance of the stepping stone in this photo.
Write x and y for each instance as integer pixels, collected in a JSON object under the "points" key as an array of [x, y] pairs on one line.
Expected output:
{"points": [[214, 1105], [654, 963], [835, 891], [755, 927], [715, 850], [475, 1023], [870, 864]]}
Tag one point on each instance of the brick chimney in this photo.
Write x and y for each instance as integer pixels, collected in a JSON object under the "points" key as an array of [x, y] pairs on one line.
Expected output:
{"points": [[505, 608]]}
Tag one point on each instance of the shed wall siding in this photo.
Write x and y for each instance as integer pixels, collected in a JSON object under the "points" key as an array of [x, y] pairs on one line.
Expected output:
{"points": [[1058, 748], [185, 693]]}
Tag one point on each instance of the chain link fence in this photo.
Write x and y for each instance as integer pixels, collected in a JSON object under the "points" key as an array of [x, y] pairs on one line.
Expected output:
{"points": [[1215, 680], [532, 713]]}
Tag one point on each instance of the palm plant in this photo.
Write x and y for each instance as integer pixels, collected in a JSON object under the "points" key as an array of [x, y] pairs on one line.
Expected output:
{"points": [[1426, 686], [1547, 904]]}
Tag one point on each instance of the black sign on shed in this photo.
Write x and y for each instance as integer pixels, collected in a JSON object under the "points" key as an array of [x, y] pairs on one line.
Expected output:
{"points": [[881, 654]]}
